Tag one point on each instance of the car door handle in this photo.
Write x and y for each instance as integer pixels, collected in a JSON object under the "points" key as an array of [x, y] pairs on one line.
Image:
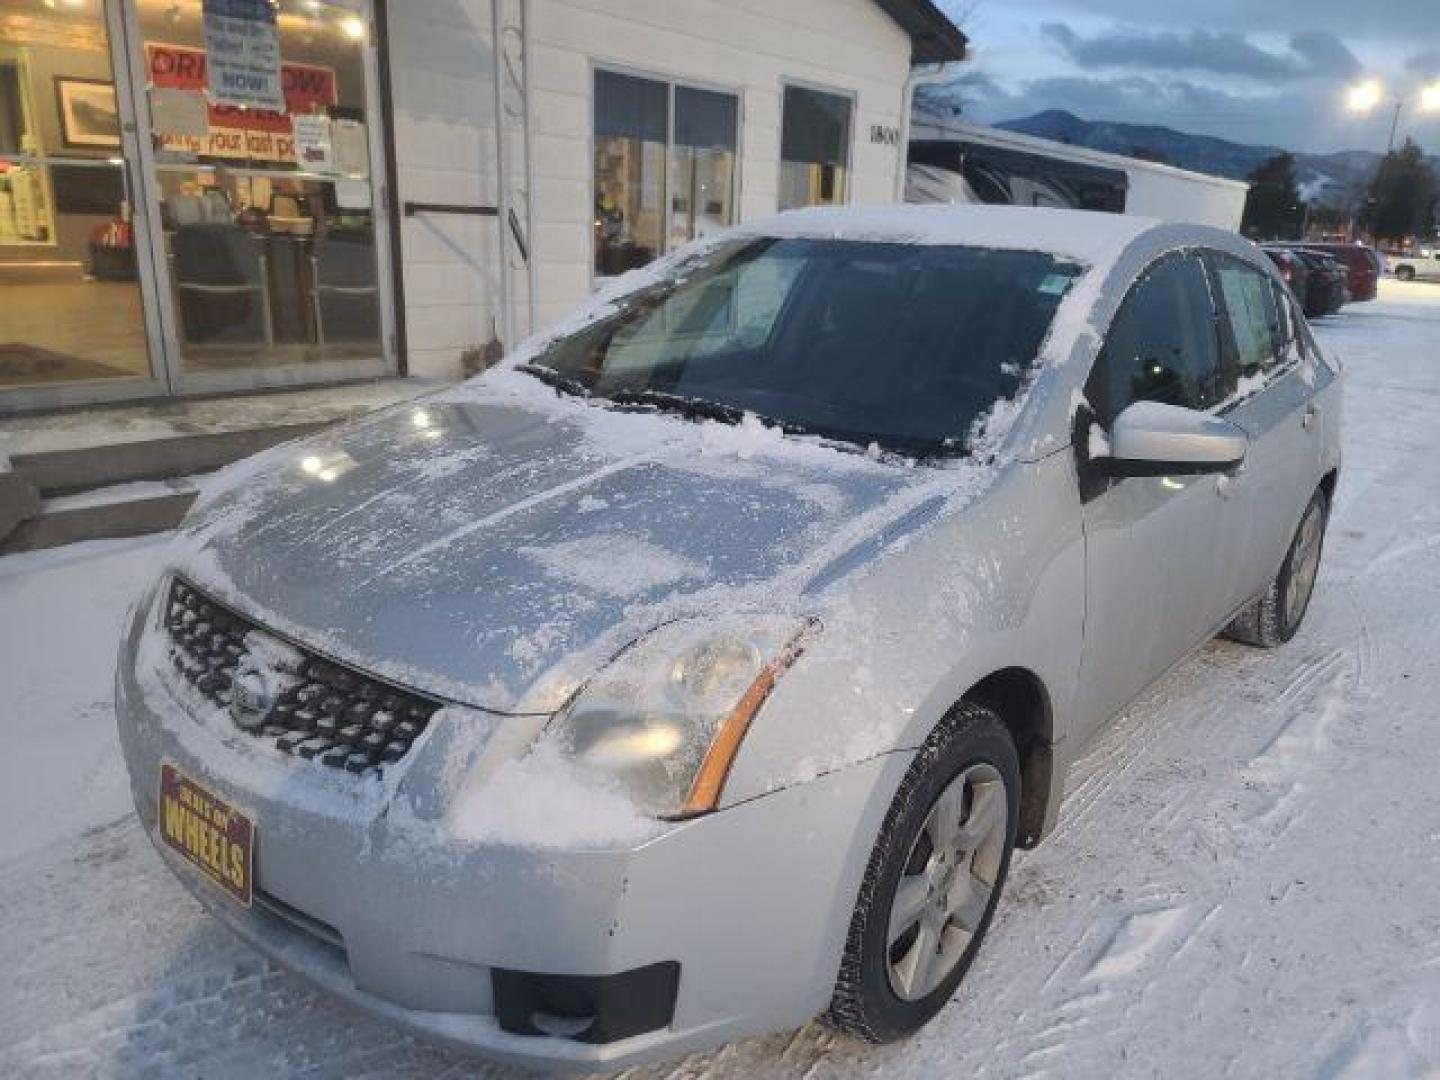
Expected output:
{"points": [[1309, 416], [1225, 482]]}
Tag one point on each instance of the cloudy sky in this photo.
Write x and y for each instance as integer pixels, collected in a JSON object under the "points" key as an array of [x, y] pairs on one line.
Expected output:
{"points": [[1254, 71]]}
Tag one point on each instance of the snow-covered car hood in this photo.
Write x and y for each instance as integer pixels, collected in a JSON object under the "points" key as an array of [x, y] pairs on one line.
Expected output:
{"points": [[496, 545]]}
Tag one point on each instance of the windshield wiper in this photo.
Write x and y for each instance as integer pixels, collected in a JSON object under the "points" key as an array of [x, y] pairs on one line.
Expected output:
{"points": [[551, 377], [688, 407], [700, 408]]}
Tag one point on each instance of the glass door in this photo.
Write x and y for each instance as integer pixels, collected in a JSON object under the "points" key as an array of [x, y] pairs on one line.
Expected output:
{"points": [[74, 323], [264, 180]]}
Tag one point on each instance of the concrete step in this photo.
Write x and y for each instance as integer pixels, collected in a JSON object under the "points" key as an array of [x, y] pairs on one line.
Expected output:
{"points": [[18, 498], [59, 497], [64, 472], [55, 526], [83, 474]]}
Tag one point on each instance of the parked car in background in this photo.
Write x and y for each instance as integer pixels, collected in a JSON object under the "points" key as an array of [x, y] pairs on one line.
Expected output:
{"points": [[1424, 265], [1362, 263], [1293, 269], [1327, 287], [696, 670]]}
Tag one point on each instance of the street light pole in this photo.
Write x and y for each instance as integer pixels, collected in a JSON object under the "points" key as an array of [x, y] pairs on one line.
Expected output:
{"points": [[1394, 123]]}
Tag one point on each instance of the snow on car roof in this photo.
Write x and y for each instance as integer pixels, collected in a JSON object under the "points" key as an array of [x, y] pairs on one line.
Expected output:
{"points": [[1090, 237]]}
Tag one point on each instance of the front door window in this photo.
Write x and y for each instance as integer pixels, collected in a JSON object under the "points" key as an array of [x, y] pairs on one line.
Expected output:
{"points": [[1162, 345]]}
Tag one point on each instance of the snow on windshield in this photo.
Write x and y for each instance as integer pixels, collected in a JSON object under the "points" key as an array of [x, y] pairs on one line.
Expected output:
{"points": [[899, 345]]}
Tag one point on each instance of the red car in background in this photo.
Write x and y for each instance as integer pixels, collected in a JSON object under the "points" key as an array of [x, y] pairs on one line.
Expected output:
{"points": [[1327, 287], [1362, 263], [1292, 268]]}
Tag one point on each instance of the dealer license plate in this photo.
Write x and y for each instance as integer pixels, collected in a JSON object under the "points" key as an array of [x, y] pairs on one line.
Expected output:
{"points": [[210, 833]]}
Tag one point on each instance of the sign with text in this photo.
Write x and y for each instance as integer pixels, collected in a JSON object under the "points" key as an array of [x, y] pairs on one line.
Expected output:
{"points": [[312, 143], [884, 135], [236, 132], [242, 45], [211, 834]]}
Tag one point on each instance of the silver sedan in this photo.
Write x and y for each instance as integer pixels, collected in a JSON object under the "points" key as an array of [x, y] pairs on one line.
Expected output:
{"points": [[697, 670]]}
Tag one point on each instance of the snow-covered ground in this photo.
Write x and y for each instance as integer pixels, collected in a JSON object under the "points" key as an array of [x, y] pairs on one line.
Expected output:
{"points": [[1246, 879]]}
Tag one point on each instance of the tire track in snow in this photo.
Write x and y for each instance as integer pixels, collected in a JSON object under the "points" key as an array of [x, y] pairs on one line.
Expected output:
{"points": [[1099, 981]]}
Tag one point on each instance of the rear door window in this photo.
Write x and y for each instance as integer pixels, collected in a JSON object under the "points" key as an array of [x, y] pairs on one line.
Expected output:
{"points": [[1255, 318], [1162, 344], [1292, 342]]}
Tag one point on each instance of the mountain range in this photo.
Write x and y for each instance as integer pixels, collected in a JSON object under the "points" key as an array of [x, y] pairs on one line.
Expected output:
{"points": [[1322, 176]]}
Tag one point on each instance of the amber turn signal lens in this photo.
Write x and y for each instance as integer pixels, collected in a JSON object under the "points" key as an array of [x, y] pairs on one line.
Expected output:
{"points": [[709, 781]]}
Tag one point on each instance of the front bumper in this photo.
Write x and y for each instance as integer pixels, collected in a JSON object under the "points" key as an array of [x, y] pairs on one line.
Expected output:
{"points": [[362, 892]]}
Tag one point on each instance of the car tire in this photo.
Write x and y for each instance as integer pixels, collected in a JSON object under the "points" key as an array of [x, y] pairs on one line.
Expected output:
{"points": [[889, 984], [1273, 618], [1405, 273]]}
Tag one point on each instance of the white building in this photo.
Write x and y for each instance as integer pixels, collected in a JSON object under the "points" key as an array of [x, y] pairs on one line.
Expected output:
{"points": [[365, 208]]}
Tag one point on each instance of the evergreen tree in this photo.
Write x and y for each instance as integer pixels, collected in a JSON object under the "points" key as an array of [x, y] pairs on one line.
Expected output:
{"points": [[1273, 210], [1400, 202]]}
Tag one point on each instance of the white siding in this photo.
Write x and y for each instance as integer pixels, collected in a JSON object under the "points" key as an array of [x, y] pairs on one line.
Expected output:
{"points": [[752, 46], [440, 54], [444, 117]]}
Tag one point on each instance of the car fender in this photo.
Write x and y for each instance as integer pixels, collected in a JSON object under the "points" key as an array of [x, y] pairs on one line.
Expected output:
{"points": [[997, 585]]}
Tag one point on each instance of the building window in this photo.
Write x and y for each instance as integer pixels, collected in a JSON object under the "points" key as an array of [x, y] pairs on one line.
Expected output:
{"points": [[268, 215], [664, 167], [814, 148], [632, 123], [702, 163]]}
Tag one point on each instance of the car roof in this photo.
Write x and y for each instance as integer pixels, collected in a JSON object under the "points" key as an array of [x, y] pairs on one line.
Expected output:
{"points": [[1087, 236], [1335, 245]]}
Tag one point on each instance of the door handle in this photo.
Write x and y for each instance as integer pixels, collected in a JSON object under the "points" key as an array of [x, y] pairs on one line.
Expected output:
{"points": [[1225, 482], [1310, 415]]}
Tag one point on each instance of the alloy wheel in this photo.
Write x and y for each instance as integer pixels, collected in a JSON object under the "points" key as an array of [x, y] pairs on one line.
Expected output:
{"points": [[1304, 565], [948, 882]]}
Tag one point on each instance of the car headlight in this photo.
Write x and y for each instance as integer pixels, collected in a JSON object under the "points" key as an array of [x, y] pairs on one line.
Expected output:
{"points": [[667, 717]]}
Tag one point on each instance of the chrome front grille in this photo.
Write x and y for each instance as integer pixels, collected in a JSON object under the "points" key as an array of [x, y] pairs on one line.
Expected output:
{"points": [[307, 705]]}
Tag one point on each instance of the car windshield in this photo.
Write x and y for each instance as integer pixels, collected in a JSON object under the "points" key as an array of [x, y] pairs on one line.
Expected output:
{"points": [[903, 346]]}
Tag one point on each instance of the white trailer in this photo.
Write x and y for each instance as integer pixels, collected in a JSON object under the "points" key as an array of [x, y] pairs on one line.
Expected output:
{"points": [[969, 163]]}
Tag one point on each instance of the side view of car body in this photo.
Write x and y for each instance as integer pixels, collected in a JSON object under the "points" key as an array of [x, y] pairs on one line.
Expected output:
{"points": [[696, 671], [1419, 266], [1293, 272], [1327, 283], [1362, 263]]}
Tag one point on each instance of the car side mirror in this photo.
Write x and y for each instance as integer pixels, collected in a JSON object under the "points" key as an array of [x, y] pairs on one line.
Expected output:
{"points": [[1151, 438]]}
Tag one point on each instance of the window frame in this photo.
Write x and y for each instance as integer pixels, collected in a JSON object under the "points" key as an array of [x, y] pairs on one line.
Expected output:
{"points": [[671, 82], [1224, 357], [853, 98]]}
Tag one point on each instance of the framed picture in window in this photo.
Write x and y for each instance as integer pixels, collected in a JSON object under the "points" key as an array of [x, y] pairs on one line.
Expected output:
{"points": [[89, 116]]}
